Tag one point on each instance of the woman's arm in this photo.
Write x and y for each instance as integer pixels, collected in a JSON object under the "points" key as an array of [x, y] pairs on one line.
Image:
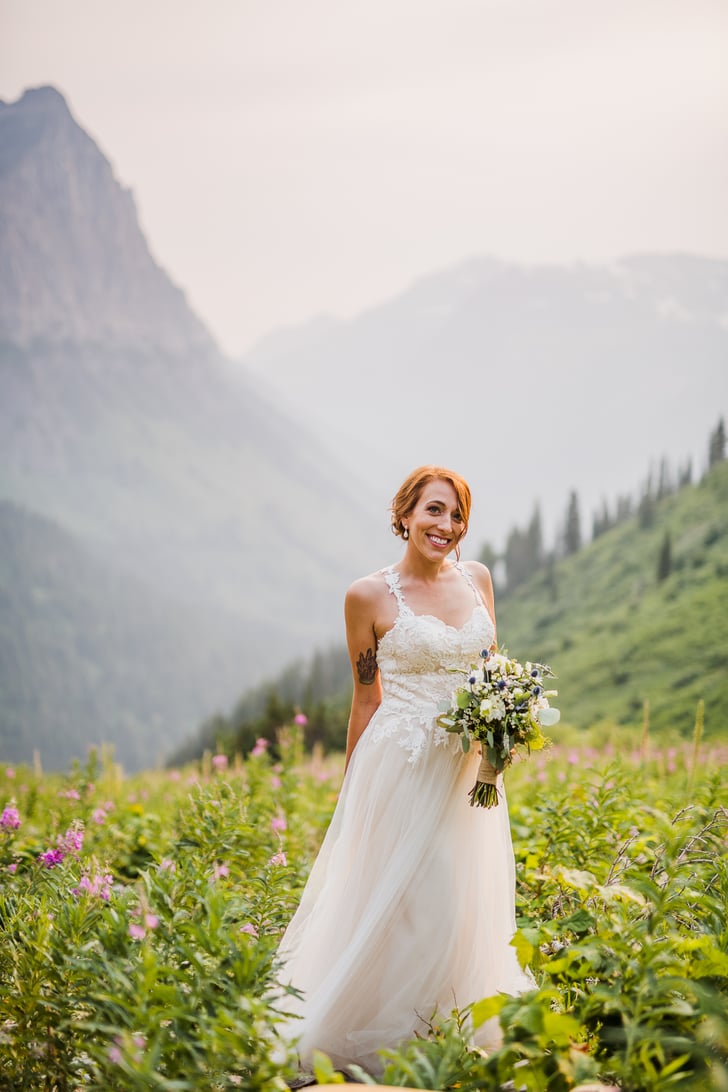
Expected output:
{"points": [[359, 611]]}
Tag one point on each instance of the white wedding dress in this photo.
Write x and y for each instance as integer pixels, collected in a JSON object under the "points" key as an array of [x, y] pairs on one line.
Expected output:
{"points": [[409, 907]]}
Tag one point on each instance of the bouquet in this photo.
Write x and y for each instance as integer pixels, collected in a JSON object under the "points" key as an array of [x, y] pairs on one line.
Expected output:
{"points": [[503, 706]]}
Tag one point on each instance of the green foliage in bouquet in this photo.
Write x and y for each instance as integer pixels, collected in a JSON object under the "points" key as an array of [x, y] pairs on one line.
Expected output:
{"points": [[503, 706]]}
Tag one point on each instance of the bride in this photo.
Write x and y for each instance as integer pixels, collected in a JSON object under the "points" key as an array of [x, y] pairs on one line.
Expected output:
{"points": [[409, 908]]}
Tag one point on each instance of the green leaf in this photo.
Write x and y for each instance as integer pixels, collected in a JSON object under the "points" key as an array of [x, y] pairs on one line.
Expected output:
{"points": [[324, 1071], [487, 1008], [524, 948]]}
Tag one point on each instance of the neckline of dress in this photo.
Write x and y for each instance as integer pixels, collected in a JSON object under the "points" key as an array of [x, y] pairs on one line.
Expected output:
{"points": [[403, 606]]}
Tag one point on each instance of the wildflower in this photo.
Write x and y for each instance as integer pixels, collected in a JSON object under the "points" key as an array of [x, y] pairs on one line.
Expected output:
{"points": [[13, 867], [261, 746], [52, 857], [219, 871], [167, 865], [278, 823], [71, 794], [10, 772], [174, 775], [99, 816], [10, 818], [136, 931], [220, 762], [72, 841], [151, 921], [278, 859], [275, 782], [115, 1054], [250, 930], [96, 886], [300, 719]]}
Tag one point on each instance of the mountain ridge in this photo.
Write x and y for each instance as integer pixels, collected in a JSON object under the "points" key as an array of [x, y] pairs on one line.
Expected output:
{"points": [[548, 377], [121, 428], [79, 268]]}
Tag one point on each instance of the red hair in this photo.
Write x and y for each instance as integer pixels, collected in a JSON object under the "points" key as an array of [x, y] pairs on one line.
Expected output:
{"points": [[411, 488]]}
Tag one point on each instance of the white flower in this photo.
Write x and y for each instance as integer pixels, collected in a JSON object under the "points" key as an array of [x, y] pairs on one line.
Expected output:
{"points": [[492, 708]]}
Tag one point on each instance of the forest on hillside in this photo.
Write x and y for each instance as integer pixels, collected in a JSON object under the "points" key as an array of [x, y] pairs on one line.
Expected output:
{"points": [[634, 620]]}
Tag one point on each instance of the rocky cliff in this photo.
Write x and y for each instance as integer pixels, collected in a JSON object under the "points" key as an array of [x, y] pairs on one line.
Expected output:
{"points": [[76, 267]]}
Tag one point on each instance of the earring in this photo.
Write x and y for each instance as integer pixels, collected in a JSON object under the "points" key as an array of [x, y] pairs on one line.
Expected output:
{"points": [[405, 532]]}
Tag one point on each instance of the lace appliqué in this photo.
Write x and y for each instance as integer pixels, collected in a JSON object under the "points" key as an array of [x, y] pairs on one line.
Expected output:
{"points": [[421, 661]]}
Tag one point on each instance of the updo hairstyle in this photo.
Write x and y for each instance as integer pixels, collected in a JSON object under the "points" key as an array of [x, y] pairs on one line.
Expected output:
{"points": [[411, 488]]}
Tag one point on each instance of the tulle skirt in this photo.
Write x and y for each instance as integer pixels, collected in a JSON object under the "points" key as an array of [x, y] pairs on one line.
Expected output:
{"points": [[408, 911]]}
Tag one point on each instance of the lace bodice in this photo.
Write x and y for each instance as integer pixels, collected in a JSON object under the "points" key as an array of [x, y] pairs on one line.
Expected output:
{"points": [[418, 659]]}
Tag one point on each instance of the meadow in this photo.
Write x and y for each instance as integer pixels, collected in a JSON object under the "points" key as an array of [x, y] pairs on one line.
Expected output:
{"points": [[139, 919]]}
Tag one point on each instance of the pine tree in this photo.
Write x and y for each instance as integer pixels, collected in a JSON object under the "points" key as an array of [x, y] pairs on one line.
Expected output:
{"points": [[716, 447], [685, 474], [646, 506], [664, 483], [664, 562], [572, 528], [488, 556], [535, 540]]}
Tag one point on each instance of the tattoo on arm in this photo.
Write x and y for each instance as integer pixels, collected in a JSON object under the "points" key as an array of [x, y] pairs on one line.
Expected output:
{"points": [[366, 667]]}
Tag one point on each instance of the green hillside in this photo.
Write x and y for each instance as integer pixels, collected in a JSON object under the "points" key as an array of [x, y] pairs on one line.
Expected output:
{"points": [[618, 636], [89, 654], [614, 632]]}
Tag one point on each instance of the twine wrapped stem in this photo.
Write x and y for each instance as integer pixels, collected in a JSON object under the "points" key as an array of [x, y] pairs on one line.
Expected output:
{"points": [[484, 793]]}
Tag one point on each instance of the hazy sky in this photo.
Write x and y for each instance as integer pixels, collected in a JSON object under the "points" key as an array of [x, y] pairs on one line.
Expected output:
{"points": [[290, 157]]}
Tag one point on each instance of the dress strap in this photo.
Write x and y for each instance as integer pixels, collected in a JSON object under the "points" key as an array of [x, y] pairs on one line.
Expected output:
{"points": [[476, 592], [391, 576]]}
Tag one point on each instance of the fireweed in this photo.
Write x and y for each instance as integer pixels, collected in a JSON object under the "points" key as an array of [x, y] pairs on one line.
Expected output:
{"points": [[145, 956]]}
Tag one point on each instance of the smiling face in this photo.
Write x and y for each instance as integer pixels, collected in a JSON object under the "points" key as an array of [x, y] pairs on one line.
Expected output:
{"points": [[435, 524]]}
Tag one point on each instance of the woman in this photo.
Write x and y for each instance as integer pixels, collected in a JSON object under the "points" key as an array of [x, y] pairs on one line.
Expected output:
{"points": [[409, 908]]}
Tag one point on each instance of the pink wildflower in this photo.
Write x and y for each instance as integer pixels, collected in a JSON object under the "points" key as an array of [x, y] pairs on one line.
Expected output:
{"points": [[96, 886], [219, 871], [151, 921], [278, 823], [301, 718], [174, 775], [52, 857], [13, 867], [167, 865], [71, 794], [10, 772], [250, 930], [275, 782], [220, 762], [99, 816], [136, 931], [10, 818], [72, 841], [261, 746], [115, 1054], [278, 859]]}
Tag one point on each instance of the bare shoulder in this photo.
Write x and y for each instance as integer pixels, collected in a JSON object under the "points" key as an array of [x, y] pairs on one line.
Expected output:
{"points": [[481, 575], [366, 593]]}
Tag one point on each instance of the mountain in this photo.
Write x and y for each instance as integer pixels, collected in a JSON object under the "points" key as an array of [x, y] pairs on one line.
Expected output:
{"points": [[90, 654], [76, 267], [529, 380], [119, 422]]}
